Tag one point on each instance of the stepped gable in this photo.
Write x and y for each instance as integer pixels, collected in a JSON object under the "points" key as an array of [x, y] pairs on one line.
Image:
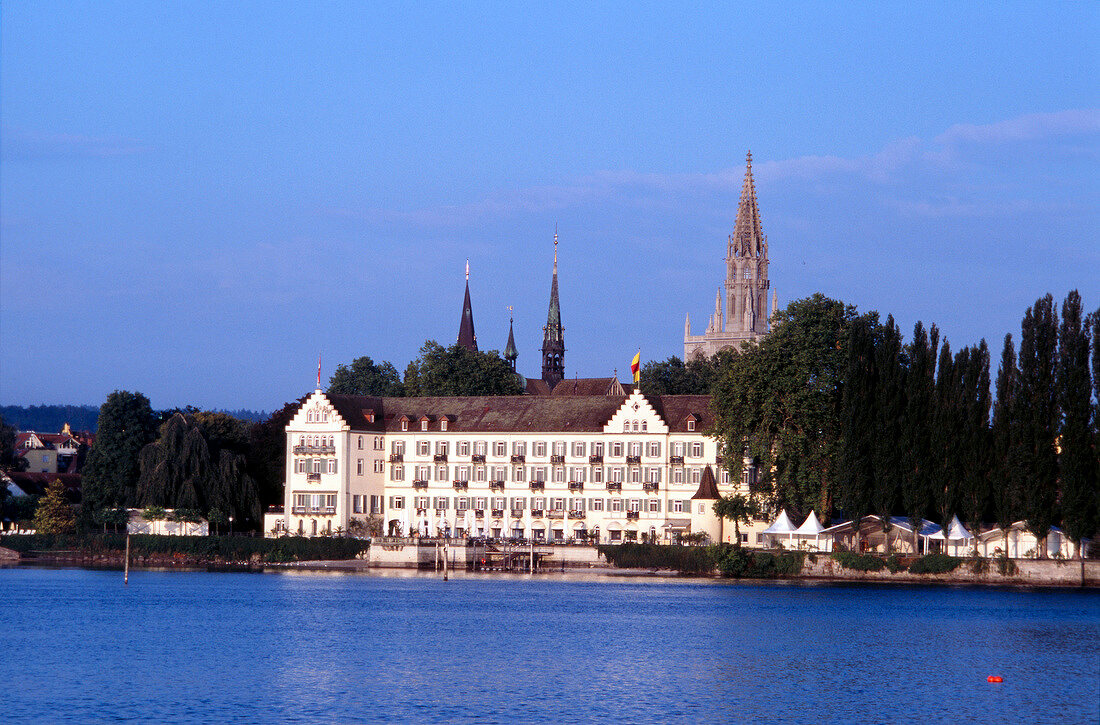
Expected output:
{"points": [[708, 487]]}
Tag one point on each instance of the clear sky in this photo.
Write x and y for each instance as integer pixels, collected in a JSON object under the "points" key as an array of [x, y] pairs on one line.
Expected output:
{"points": [[197, 198]]}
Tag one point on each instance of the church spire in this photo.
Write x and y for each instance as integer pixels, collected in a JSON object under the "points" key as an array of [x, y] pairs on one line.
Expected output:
{"points": [[553, 339], [466, 336], [747, 239], [510, 351]]}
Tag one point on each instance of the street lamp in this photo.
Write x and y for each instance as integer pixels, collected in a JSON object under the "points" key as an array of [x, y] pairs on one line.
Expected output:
{"points": [[230, 525]]}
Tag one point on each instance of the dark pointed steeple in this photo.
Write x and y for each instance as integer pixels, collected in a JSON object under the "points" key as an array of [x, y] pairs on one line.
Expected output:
{"points": [[510, 351], [553, 338], [466, 336]]}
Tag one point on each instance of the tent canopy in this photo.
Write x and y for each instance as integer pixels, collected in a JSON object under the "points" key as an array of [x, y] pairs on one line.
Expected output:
{"points": [[811, 526], [782, 525], [955, 532]]}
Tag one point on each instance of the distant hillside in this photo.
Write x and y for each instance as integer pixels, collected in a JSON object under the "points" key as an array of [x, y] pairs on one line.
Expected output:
{"points": [[51, 418]]}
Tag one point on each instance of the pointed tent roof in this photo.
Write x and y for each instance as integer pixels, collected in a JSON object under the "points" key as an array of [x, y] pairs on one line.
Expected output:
{"points": [[811, 526], [466, 336], [781, 525], [955, 531], [708, 487], [747, 239]]}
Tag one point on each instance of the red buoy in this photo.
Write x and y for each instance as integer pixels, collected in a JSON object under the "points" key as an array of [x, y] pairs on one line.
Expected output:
{"points": [[994, 678]]}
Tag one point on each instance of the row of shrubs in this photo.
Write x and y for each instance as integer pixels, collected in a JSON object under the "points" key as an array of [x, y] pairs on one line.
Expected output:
{"points": [[729, 560], [928, 564], [198, 548]]}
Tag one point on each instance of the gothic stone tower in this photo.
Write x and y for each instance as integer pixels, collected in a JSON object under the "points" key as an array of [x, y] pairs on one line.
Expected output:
{"points": [[553, 337], [746, 287]]}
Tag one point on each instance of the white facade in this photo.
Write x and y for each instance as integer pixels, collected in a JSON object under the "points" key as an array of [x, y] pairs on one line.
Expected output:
{"points": [[620, 471]]}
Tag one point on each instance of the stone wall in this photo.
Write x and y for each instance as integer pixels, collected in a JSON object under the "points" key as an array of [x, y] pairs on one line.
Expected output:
{"points": [[1029, 572]]}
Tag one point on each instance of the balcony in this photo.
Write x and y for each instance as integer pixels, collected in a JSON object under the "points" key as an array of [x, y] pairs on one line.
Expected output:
{"points": [[309, 450], [440, 458], [614, 486], [538, 485], [496, 485], [478, 458], [555, 514], [651, 486], [595, 458], [461, 485], [576, 514], [557, 459], [420, 483], [676, 460], [633, 460], [315, 510], [313, 477], [576, 485], [632, 515], [520, 458], [397, 458], [479, 513], [498, 513], [517, 513], [536, 513]]}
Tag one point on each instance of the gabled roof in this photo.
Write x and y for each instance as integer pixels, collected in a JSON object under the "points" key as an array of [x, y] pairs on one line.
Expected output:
{"points": [[708, 487], [537, 386], [781, 525], [675, 409], [519, 413], [590, 386]]}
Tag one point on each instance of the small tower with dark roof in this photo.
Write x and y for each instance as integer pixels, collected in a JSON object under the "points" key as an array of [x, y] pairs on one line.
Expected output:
{"points": [[553, 338], [510, 351], [466, 336]]}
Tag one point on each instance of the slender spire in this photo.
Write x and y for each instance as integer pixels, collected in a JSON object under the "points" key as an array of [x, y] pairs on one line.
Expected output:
{"points": [[553, 339], [510, 351], [466, 336], [747, 239]]}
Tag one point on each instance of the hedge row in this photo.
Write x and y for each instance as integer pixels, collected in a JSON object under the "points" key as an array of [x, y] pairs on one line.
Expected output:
{"points": [[685, 559], [201, 548]]}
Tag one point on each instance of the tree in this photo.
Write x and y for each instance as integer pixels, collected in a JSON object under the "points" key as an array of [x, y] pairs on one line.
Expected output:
{"points": [[974, 456], [1006, 477], [779, 401], [1077, 456], [737, 508], [363, 377], [115, 518], [267, 454], [855, 487], [110, 475], [54, 514], [454, 370], [674, 377], [7, 446], [920, 385]]}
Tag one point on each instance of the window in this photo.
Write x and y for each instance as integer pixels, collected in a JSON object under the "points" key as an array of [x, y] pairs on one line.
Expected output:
{"points": [[499, 473], [626, 426], [309, 416], [643, 426], [616, 505], [678, 449], [463, 448], [378, 465], [359, 470], [441, 448], [559, 474], [397, 473], [379, 444], [615, 474], [423, 473], [595, 504], [617, 449], [423, 448], [653, 475], [498, 502], [696, 449], [360, 445], [576, 504], [443, 424], [462, 473], [724, 476], [634, 505], [635, 448], [423, 425], [500, 448], [519, 503], [653, 449], [557, 504], [635, 474], [422, 502], [479, 503], [520, 474], [538, 473], [441, 473], [695, 474], [376, 504], [397, 502], [597, 474], [462, 503], [691, 425], [300, 465], [558, 448], [404, 424], [578, 473], [654, 505], [539, 449], [519, 448], [479, 473], [441, 503], [357, 504], [398, 448], [538, 503], [332, 465], [578, 449], [677, 475], [678, 506], [480, 447]]}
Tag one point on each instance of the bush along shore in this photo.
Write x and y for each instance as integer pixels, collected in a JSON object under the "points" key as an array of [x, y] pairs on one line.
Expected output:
{"points": [[184, 551], [734, 562]]}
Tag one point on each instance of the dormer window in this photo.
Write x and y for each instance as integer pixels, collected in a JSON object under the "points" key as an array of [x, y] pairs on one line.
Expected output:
{"points": [[691, 425], [404, 424], [443, 424], [423, 425]]}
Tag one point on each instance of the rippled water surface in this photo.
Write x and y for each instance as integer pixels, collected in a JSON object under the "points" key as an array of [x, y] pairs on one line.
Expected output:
{"points": [[78, 646]]}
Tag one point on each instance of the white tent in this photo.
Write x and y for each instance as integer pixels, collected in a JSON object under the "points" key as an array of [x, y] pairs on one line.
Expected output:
{"points": [[782, 526], [808, 535], [1021, 543], [957, 536]]}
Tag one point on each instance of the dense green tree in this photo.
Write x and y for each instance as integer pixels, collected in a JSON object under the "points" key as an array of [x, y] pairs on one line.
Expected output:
{"points": [[780, 402], [110, 474], [454, 370], [974, 454], [1077, 457], [1038, 417], [267, 454], [947, 433], [674, 377], [54, 514], [917, 476], [364, 377], [737, 508], [1005, 474], [889, 410], [859, 418], [7, 444]]}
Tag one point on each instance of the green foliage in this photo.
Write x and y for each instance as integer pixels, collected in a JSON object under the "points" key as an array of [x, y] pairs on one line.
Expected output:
{"points": [[1006, 566], [674, 377], [154, 513], [895, 564], [1080, 489], [7, 448], [267, 454], [859, 562], [201, 549], [736, 562], [363, 377], [685, 559], [110, 474], [935, 564], [737, 508], [1037, 417], [54, 514], [978, 564], [114, 517], [454, 370]]}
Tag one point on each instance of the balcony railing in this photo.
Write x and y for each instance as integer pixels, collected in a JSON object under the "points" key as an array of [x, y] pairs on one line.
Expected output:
{"points": [[555, 514], [576, 485], [614, 486], [517, 513], [536, 513], [498, 513], [632, 515], [496, 485], [397, 458], [595, 458], [307, 450], [318, 510], [420, 483], [461, 485], [440, 458], [650, 486], [557, 458], [313, 477], [478, 458], [538, 485], [479, 513], [519, 458], [676, 460], [633, 460], [576, 514]]}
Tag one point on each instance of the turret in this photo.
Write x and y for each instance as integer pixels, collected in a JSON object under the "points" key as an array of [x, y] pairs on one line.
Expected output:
{"points": [[510, 351], [466, 336]]}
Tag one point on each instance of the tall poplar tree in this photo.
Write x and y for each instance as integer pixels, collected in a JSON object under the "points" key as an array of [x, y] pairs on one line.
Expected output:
{"points": [[109, 480], [920, 386], [856, 474], [974, 455], [946, 433], [1077, 457], [1038, 417], [889, 412]]}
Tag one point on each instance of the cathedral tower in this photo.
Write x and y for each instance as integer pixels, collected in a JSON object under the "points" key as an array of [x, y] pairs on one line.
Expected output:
{"points": [[746, 288], [553, 339]]}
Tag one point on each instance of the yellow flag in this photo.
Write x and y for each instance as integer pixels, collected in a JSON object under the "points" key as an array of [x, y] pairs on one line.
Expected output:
{"points": [[636, 365]]}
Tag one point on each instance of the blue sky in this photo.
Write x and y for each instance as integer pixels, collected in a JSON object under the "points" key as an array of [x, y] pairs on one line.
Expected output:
{"points": [[197, 198]]}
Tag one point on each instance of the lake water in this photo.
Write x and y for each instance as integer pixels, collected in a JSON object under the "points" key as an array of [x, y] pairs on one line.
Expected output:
{"points": [[78, 646]]}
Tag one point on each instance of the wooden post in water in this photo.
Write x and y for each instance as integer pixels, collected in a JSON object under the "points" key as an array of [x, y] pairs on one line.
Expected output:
{"points": [[126, 566], [444, 560]]}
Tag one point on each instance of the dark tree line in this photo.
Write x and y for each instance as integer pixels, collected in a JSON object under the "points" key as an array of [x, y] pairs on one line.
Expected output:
{"points": [[437, 371], [843, 417]]}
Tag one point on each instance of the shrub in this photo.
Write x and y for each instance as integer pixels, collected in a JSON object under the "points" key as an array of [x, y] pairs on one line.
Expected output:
{"points": [[934, 564], [895, 564], [737, 563], [685, 559], [1006, 566], [978, 564], [858, 562], [200, 548]]}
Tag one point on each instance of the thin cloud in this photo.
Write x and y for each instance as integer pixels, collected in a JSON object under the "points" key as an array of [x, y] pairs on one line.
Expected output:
{"points": [[23, 145], [1031, 127]]}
